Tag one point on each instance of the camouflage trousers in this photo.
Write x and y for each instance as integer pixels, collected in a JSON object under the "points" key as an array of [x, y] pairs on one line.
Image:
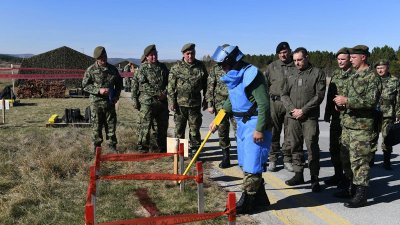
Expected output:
{"points": [[278, 117], [224, 129], [358, 146], [335, 131], [307, 131], [382, 126], [153, 120], [103, 115], [251, 183], [192, 116]]}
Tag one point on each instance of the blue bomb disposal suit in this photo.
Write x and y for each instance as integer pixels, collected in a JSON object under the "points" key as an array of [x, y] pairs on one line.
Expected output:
{"points": [[252, 156]]}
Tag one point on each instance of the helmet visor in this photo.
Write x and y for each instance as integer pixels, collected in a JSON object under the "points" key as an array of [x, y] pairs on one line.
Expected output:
{"points": [[219, 55]]}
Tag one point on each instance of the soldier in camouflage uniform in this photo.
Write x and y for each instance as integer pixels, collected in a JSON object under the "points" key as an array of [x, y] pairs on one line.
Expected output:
{"points": [[187, 79], [127, 80], [103, 82], [274, 76], [359, 133], [216, 95], [332, 115], [303, 91], [388, 106], [150, 94]]}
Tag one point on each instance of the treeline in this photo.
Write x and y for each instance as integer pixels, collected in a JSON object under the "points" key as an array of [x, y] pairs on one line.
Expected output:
{"points": [[326, 60], [10, 59]]}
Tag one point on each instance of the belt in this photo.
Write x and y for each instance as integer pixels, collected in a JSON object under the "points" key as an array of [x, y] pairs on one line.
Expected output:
{"points": [[275, 97]]}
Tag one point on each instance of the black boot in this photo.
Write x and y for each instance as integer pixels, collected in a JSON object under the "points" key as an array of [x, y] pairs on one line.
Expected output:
{"points": [[372, 162], [315, 187], [245, 204], [386, 160], [225, 163], [335, 179], [359, 199], [261, 196], [296, 180], [346, 192]]}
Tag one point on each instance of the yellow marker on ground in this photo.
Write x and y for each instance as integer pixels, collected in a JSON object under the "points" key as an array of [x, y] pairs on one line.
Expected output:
{"points": [[217, 121]]}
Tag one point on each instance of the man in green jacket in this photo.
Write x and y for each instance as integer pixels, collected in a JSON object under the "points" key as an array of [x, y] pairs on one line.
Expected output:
{"points": [[303, 92], [104, 84]]}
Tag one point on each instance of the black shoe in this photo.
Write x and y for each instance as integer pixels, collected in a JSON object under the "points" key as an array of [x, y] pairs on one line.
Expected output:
{"points": [[296, 180], [346, 192], [359, 199], [386, 160], [315, 187], [245, 204], [334, 180], [225, 163], [261, 196]]}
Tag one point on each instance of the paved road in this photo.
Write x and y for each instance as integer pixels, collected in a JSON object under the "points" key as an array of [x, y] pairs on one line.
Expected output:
{"points": [[298, 205]]}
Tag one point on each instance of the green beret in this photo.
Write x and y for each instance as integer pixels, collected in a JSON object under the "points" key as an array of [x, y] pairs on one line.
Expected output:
{"points": [[147, 51], [187, 47], [359, 49], [382, 62], [98, 51], [342, 51]]}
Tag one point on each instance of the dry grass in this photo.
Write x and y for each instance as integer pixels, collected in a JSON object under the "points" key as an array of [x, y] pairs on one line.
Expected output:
{"points": [[44, 171]]}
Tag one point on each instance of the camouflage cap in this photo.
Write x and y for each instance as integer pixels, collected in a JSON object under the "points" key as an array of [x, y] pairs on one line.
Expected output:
{"points": [[187, 47], [281, 46], [147, 51], [98, 51], [343, 50], [381, 62], [359, 49]]}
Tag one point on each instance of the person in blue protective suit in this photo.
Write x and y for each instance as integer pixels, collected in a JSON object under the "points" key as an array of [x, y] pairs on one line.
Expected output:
{"points": [[249, 103]]}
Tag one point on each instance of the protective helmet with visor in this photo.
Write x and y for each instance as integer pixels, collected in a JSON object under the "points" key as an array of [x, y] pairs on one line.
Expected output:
{"points": [[227, 55]]}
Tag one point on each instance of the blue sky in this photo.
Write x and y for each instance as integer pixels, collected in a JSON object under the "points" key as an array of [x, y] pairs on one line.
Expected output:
{"points": [[126, 27]]}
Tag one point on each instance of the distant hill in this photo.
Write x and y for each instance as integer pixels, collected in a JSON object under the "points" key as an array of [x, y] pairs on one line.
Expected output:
{"points": [[115, 61], [20, 55]]}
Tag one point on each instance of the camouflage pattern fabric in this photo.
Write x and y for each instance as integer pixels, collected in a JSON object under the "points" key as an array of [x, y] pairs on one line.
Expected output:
{"points": [[217, 93], [185, 83], [251, 183], [360, 122], [152, 80], [345, 154], [102, 107], [192, 116], [275, 76], [337, 86]]}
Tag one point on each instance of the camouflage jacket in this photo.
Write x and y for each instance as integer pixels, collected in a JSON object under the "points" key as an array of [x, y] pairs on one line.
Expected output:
{"points": [[304, 90], [275, 75], [217, 91], [185, 83], [150, 83], [337, 86], [97, 77], [389, 100], [363, 92]]}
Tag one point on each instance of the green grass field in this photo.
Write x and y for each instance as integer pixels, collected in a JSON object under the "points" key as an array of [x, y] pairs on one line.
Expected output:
{"points": [[44, 171]]}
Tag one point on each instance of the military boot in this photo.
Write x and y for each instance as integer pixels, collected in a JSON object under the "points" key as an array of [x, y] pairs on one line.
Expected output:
{"points": [[346, 192], [336, 178], [225, 163], [359, 199], [245, 204], [261, 196], [296, 180], [372, 162], [315, 187], [112, 148], [272, 167], [386, 160]]}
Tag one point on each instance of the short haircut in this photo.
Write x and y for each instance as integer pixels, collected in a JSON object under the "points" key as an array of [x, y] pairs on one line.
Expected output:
{"points": [[302, 50]]}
